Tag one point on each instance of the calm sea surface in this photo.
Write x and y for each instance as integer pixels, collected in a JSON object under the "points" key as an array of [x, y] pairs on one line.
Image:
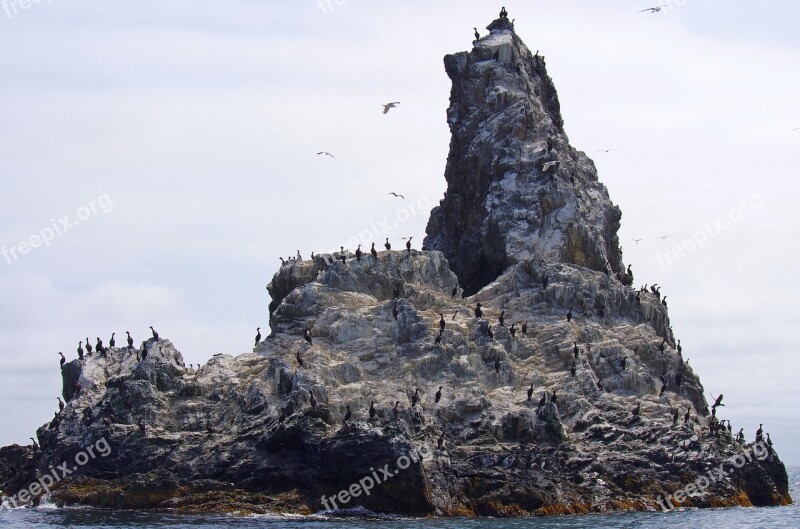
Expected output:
{"points": [[773, 517]]}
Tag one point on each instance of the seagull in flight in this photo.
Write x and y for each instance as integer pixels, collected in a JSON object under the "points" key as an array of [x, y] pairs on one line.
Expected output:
{"points": [[395, 194], [547, 165], [388, 106], [795, 130], [606, 150], [652, 9], [326, 153]]}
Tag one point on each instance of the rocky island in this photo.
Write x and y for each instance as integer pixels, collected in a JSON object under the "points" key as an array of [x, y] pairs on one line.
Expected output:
{"points": [[510, 368]]}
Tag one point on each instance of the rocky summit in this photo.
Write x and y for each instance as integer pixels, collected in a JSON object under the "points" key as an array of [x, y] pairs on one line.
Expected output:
{"points": [[508, 369]]}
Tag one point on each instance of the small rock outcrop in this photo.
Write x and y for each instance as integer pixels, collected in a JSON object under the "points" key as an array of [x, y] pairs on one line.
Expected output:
{"points": [[380, 386]]}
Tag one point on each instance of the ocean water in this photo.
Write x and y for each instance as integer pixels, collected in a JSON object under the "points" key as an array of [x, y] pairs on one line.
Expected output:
{"points": [[734, 518]]}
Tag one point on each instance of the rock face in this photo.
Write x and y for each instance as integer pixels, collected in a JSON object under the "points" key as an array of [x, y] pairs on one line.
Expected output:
{"points": [[576, 403], [516, 189]]}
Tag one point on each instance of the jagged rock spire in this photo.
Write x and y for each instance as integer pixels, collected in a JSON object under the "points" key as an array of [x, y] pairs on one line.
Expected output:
{"points": [[517, 190]]}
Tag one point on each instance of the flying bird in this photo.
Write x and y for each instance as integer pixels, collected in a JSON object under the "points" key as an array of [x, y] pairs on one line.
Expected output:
{"points": [[326, 153], [548, 165], [388, 106], [606, 150], [652, 9], [396, 195]]}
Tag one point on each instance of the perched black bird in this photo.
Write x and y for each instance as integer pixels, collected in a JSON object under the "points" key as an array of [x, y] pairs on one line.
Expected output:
{"points": [[63, 360], [497, 365], [373, 251], [130, 340], [661, 347], [438, 396], [359, 253], [387, 245], [112, 342], [372, 411], [60, 404], [513, 330], [394, 310], [299, 359], [573, 370], [396, 411], [438, 339], [569, 314], [155, 334], [490, 333], [501, 319], [545, 282], [35, 444], [441, 321], [624, 363], [543, 400], [687, 416], [312, 400], [680, 349], [348, 414], [525, 328], [530, 392], [307, 336], [575, 350], [414, 399], [553, 397], [477, 35], [80, 350], [503, 13], [637, 410], [408, 244], [675, 415], [142, 428], [454, 291], [478, 311], [258, 335], [88, 346]]}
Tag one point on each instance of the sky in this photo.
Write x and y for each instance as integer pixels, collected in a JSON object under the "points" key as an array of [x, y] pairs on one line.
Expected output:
{"points": [[159, 157]]}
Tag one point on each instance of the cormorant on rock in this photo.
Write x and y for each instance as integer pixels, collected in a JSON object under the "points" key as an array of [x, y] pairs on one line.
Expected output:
{"points": [[545, 282], [624, 363], [130, 340], [530, 392], [513, 330], [80, 350], [680, 349], [687, 416], [553, 397], [478, 311], [312, 256], [569, 314], [454, 291], [35, 444], [394, 310], [99, 347], [438, 338], [283, 263], [142, 427], [503, 13], [396, 291], [312, 400], [630, 274], [343, 257], [299, 359], [501, 319], [497, 365], [663, 389], [408, 245], [348, 414], [387, 245], [661, 347], [525, 328], [496, 55], [675, 416], [63, 360], [760, 433], [477, 35], [88, 347], [740, 436], [144, 353], [258, 335], [575, 350], [638, 298], [414, 399], [60, 404], [373, 251], [664, 302], [441, 321], [112, 342], [372, 411], [717, 402], [600, 384], [155, 334], [55, 422], [438, 396], [543, 400], [307, 336], [637, 410], [769, 441], [359, 253], [489, 333], [573, 370], [395, 411]]}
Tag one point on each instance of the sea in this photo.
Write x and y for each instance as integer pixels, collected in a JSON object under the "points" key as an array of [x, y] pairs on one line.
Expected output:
{"points": [[731, 518]]}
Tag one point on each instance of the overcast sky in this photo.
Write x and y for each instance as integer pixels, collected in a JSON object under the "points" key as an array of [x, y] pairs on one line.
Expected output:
{"points": [[167, 151]]}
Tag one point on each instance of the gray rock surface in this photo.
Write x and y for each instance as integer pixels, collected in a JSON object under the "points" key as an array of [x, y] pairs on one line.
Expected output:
{"points": [[240, 434]]}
